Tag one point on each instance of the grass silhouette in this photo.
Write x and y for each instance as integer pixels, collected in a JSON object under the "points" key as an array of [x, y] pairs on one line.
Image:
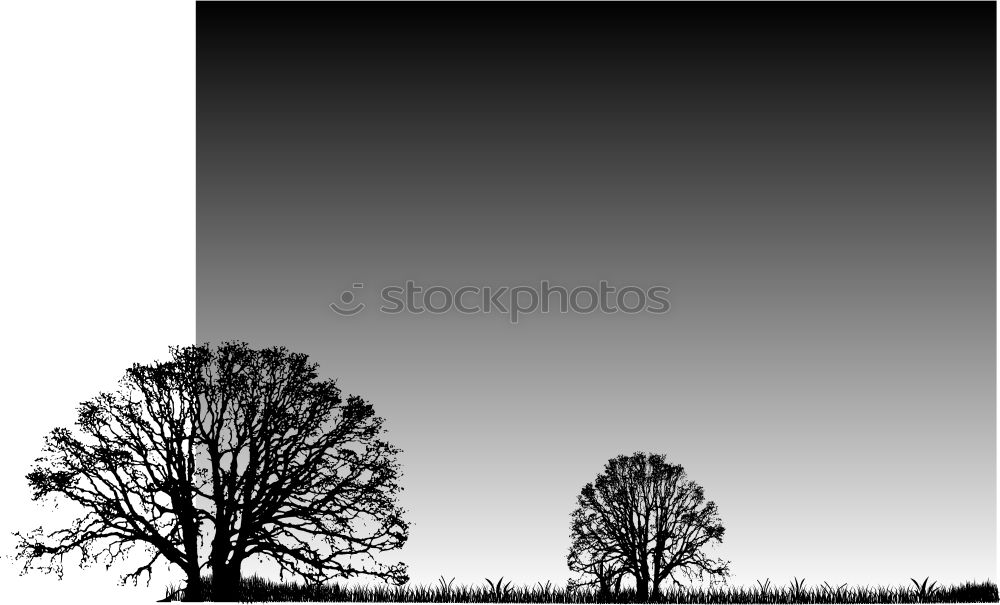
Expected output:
{"points": [[257, 589]]}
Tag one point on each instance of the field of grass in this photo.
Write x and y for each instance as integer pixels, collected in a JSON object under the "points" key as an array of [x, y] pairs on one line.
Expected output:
{"points": [[255, 589]]}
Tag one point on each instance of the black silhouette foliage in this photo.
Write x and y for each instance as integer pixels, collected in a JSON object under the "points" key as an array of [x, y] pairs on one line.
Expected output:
{"points": [[251, 443], [297, 474], [644, 518], [131, 468]]}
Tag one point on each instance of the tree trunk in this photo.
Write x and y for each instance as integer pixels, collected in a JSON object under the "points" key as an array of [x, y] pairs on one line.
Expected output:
{"points": [[642, 580], [603, 586], [194, 590], [656, 575], [641, 587], [226, 583]]}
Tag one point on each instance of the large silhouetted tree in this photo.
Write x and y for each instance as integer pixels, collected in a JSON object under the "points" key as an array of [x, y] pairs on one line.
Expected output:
{"points": [[250, 444], [644, 517], [130, 467], [297, 473]]}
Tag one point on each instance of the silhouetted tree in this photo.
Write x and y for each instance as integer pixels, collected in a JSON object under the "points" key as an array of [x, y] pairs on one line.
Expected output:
{"points": [[130, 466], [250, 442], [296, 473], [643, 516]]}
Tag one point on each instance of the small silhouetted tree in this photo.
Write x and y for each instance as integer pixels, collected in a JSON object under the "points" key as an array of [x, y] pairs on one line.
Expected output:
{"points": [[297, 474], [130, 467], [643, 516]]}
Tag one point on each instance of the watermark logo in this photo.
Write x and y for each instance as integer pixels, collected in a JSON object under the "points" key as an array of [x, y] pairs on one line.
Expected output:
{"points": [[348, 304], [513, 301]]}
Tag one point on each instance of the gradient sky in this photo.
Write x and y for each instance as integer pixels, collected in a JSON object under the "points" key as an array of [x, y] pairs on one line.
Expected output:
{"points": [[815, 184]]}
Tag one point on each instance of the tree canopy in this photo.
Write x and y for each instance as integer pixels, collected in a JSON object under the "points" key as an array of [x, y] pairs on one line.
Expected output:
{"points": [[644, 518], [245, 451]]}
